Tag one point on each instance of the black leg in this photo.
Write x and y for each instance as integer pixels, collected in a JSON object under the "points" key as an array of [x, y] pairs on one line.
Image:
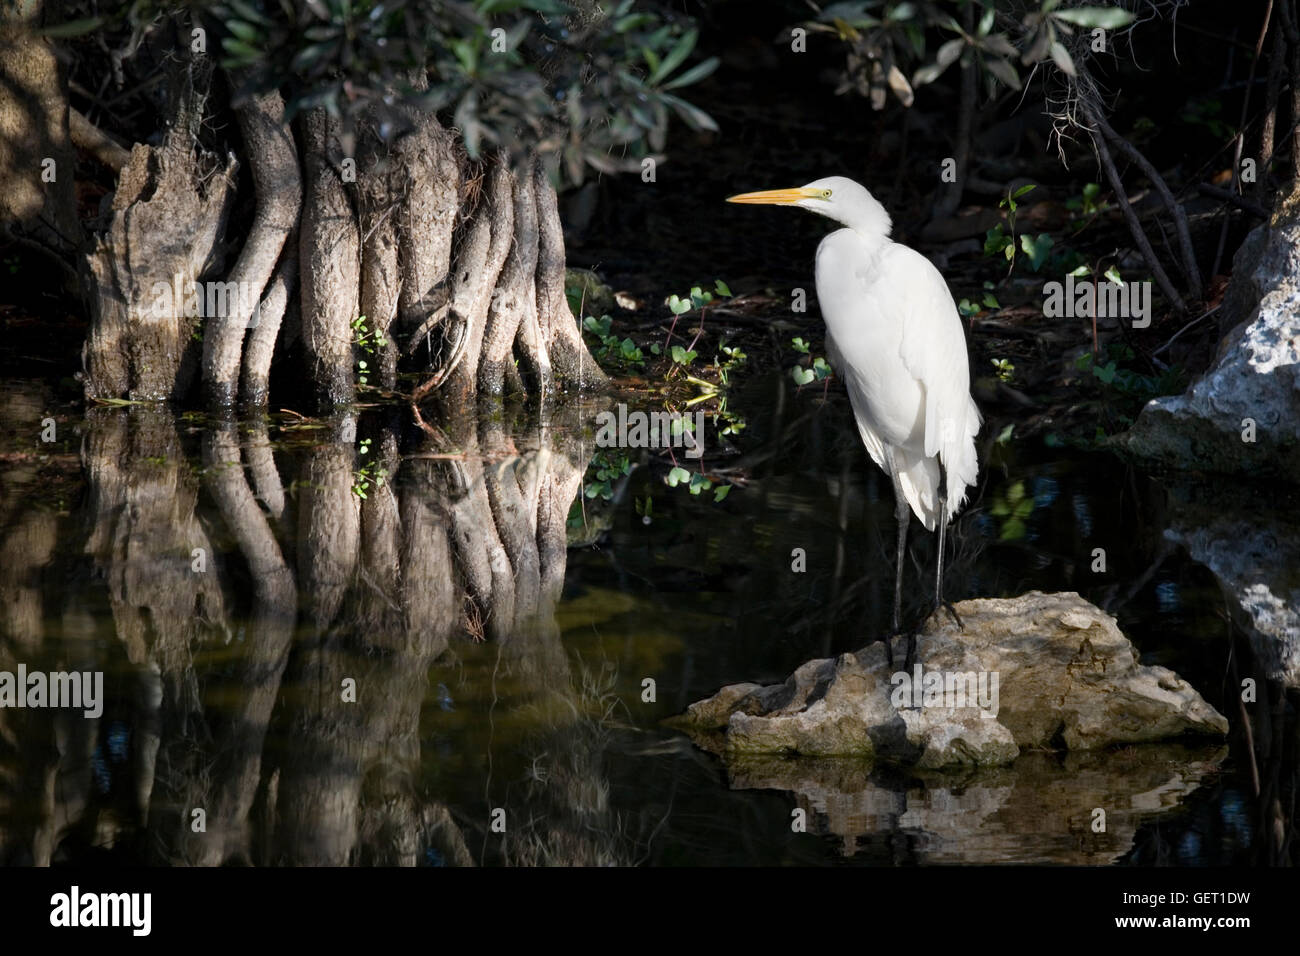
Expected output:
{"points": [[939, 602], [943, 527], [903, 512]]}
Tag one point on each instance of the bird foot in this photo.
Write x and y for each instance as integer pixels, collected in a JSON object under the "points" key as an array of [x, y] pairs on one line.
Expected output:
{"points": [[910, 634], [952, 613]]}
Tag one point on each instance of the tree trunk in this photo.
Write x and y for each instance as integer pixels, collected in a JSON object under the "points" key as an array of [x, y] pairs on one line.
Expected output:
{"points": [[37, 163], [169, 213], [407, 257], [274, 163], [330, 262]]}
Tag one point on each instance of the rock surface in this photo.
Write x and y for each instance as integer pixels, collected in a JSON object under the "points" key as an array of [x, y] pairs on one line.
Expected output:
{"points": [[1056, 669], [1254, 552], [1256, 375]]}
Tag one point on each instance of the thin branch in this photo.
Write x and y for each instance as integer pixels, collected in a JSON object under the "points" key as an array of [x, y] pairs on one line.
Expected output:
{"points": [[1232, 199], [1130, 217], [86, 135], [1190, 268]]}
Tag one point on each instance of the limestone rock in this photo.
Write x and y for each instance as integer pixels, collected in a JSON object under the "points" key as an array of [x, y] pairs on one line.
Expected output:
{"points": [[1256, 375], [1039, 670]]}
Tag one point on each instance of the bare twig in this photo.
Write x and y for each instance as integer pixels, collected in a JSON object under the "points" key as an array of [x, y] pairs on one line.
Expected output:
{"points": [[1130, 217], [1240, 138], [1190, 268], [1232, 199]]}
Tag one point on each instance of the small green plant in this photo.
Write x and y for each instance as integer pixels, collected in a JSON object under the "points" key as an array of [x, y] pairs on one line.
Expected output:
{"points": [[681, 356], [645, 509], [819, 371], [816, 371], [734, 358], [1004, 369], [695, 482], [968, 309], [1002, 241], [1113, 374], [369, 341], [1086, 206], [1014, 508], [370, 475], [606, 468], [1036, 249], [612, 348], [697, 299]]}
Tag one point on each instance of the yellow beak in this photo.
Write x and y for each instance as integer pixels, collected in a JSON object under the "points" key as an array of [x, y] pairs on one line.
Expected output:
{"points": [[777, 197]]}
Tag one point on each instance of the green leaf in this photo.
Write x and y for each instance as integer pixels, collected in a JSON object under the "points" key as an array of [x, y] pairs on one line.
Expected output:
{"points": [[1108, 18], [995, 240], [696, 73], [1013, 530], [74, 28], [947, 55], [1003, 72], [692, 116], [675, 57], [1036, 249], [990, 301], [244, 31], [1022, 190], [1061, 57], [721, 492], [799, 345], [239, 50], [802, 376], [677, 475], [679, 306], [1004, 436], [722, 288]]}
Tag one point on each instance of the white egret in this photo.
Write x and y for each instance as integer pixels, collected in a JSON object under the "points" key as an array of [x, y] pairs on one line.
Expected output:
{"points": [[895, 338]]}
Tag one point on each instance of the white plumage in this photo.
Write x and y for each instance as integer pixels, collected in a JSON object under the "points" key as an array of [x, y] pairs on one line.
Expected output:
{"points": [[895, 337]]}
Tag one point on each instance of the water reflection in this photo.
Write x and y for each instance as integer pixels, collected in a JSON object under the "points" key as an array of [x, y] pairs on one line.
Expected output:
{"points": [[269, 643], [238, 582]]}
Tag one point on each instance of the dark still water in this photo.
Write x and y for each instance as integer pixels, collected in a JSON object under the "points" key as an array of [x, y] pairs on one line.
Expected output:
{"points": [[360, 642]]}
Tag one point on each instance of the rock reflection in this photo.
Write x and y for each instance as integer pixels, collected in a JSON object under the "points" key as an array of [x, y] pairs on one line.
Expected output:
{"points": [[1038, 810]]}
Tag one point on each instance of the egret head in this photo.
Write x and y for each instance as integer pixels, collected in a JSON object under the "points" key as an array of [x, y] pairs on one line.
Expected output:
{"points": [[835, 197]]}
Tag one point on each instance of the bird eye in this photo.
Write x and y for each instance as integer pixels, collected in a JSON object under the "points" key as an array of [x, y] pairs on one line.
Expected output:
{"points": [[826, 194]]}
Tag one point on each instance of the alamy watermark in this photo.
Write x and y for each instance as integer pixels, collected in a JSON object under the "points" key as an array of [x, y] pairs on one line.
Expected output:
{"points": [[198, 299], [1100, 299], [638, 429], [75, 908], [56, 689], [950, 689]]}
